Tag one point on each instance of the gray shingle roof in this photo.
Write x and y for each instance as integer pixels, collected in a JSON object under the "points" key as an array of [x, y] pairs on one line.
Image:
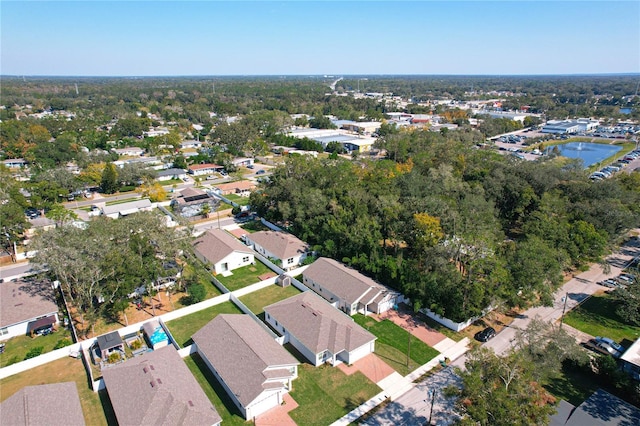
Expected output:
{"points": [[602, 409], [157, 388], [216, 244], [346, 283], [53, 404], [318, 325], [24, 300], [281, 244], [241, 350], [109, 341], [126, 207]]}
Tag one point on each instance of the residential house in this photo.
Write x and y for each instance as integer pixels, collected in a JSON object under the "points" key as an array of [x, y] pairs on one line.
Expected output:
{"points": [[157, 388], [15, 163], [630, 360], [285, 248], [190, 144], [204, 169], [190, 201], [242, 162], [26, 306], [242, 188], [52, 404], [222, 251], [130, 151], [108, 343], [173, 173], [124, 209], [320, 332], [154, 132], [600, 409], [252, 367], [347, 289]]}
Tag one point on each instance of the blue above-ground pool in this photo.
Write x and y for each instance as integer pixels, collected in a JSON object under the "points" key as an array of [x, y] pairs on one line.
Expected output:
{"points": [[158, 336]]}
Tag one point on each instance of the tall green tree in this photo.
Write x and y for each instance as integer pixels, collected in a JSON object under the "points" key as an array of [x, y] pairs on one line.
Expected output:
{"points": [[109, 182]]}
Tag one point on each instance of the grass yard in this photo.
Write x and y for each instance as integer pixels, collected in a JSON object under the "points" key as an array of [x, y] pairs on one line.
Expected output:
{"points": [[597, 317], [573, 385], [17, 347], [62, 370], [393, 344], [243, 277], [183, 328], [257, 300], [254, 226], [215, 392], [243, 201], [325, 394]]}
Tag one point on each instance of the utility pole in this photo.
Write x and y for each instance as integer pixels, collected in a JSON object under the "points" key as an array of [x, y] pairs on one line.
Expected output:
{"points": [[564, 308], [433, 400]]}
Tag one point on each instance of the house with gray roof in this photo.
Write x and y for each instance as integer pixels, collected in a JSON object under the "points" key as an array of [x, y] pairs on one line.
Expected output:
{"points": [[222, 251], [173, 173], [26, 306], [286, 249], [190, 201], [347, 289], [600, 409], [254, 370], [319, 331], [52, 404], [124, 209], [157, 388]]}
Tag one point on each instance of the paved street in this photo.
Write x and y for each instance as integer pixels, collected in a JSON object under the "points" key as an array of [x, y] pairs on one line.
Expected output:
{"points": [[413, 407]]}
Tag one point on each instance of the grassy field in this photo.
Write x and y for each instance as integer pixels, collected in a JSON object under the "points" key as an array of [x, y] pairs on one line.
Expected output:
{"points": [[215, 392], [573, 385], [393, 344], [62, 370], [183, 328], [597, 317], [257, 300], [254, 226], [325, 394], [17, 347], [243, 201], [244, 276]]}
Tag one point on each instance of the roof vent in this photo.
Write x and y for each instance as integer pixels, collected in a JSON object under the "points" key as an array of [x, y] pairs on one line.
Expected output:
{"points": [[151, 367], [190, 402], [145, 370], [153, 383], [159, 381]]}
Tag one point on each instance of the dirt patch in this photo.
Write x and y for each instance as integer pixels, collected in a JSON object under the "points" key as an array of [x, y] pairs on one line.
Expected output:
{"points": [[266, 276]]}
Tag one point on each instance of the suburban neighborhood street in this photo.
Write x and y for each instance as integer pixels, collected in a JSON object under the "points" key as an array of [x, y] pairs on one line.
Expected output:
{"points": [[414, 406]]}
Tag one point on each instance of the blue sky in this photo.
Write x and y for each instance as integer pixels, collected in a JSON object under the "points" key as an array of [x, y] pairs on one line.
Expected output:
{"points": [[120, 38]]}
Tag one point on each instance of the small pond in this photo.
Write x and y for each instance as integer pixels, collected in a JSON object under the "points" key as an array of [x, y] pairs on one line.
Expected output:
{"points": [[589, 153]]}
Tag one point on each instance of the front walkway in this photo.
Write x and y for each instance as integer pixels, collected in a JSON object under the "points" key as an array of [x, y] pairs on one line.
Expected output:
{"points": [[278, 416], [371, 366]]}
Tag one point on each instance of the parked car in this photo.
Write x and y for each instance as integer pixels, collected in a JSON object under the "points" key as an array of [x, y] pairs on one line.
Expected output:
{"points": [[603, 348], [260, 172], [485, 335], [32, 213], [615, 349]]}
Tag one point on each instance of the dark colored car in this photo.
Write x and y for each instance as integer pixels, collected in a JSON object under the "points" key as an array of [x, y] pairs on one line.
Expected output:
{"points": [[260, 172], [32, 213], [485, 335]]}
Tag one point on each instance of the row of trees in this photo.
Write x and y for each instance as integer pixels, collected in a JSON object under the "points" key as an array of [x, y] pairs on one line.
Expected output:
{"points": [[455, 228]]}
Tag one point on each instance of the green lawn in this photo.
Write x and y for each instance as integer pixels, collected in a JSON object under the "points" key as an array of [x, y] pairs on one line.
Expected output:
{"points": [[17, 347], [244, 276], [597, 317], [257, 300], [325, 394], [393, 344], [243, 201], [63, 370], [215, 392], [573, 385], [183, 328], [254, 226]]}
